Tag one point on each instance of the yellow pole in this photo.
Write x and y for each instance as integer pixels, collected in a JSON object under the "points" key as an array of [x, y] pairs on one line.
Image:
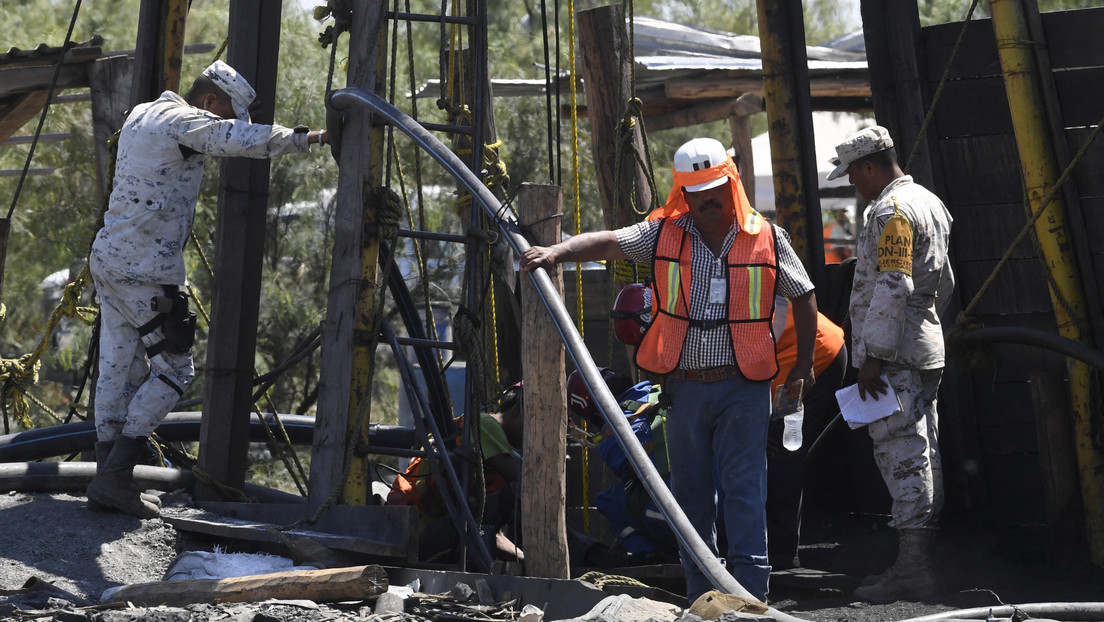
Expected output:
{"points": [[176, 19], [1040, 171]]}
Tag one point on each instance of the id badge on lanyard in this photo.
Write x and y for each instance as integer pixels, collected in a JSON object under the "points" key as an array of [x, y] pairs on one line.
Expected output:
{"points": [[717, 291]]}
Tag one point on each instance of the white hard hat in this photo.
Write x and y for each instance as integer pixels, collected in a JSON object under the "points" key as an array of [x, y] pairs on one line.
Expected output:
{"points": [[698, 154]]}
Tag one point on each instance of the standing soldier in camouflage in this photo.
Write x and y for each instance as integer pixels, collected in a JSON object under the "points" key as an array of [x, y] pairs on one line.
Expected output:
{"points": [[137, 263], [903, 281]]}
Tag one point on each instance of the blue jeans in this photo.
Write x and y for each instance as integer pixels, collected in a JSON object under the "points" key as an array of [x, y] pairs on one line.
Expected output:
{"points": [[724, 422]]}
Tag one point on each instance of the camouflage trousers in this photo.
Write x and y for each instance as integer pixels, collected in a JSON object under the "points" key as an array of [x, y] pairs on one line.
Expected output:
{"points": [[133, 392], [906, 448]]}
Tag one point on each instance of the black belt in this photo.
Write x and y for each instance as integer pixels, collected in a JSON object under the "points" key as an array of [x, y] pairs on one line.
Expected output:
{"points": [[707, 324], [713, 374]]}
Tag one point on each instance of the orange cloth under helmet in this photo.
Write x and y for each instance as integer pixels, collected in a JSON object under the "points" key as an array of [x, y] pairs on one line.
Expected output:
{"points": [[676, 204]]}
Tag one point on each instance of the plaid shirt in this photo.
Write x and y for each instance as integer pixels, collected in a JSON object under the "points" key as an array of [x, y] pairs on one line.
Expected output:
{"points": [[703, 348]]}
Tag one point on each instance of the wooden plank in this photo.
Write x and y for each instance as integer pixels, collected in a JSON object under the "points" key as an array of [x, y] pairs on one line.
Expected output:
{"points": [[1020, 287], [239, 263], [998, 181], [15, 114], [1073, 37], [1016, 490], [1077, 92], [384, 531], [984, 232], [598, 295], [1007, 404], [819, 86], [977, 55], [973, 107], [543, 477], [391, 525], [1090, 183]]}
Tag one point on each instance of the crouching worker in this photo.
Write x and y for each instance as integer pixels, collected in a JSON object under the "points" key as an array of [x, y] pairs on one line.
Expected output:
{"points": [[499, 433], [137, 263]]}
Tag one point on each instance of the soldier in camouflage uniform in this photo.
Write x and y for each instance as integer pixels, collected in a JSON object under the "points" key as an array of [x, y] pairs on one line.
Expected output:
{"points": [[137, 263], [903, 281]]}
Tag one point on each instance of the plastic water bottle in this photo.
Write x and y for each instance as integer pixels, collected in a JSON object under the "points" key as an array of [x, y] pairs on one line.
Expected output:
{"points": [[791, 429]]}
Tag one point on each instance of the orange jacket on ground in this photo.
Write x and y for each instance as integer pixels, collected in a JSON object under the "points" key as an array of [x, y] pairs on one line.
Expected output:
{"points": [[829, 342]]}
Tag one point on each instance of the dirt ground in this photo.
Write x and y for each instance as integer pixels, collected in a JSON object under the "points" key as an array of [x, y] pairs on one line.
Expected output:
{"points": [[54, 538]]}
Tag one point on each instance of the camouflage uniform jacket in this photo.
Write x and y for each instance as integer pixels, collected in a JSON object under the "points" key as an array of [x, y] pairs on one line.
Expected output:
{"points": [[157, 177], [897, 297]]}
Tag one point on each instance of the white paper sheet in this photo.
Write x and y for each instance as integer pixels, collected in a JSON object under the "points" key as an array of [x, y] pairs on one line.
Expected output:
{"points": [[857, 412]]}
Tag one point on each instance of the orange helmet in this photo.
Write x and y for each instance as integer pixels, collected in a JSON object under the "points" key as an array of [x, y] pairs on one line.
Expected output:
{"points": [[579, 400], [631, 313]]}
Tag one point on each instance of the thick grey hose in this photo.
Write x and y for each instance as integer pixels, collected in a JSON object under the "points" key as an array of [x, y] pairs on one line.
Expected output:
{"points": [[687, 535], [1057, 611]]}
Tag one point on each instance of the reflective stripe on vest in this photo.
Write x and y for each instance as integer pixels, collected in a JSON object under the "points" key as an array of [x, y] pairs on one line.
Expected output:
{"points": [[752, 268]]}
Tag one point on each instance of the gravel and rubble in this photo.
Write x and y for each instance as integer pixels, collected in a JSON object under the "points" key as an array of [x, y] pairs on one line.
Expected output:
{"points": [[71, 555]]}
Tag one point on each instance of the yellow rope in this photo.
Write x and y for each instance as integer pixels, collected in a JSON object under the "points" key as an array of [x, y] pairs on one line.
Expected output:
{"points": [[601, 580], [20, 373]]}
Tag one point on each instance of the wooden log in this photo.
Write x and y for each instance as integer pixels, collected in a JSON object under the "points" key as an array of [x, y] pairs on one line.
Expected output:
{"points": [[606, 75], [742, 106], [825, 86], [543, 476], [353, 583]]}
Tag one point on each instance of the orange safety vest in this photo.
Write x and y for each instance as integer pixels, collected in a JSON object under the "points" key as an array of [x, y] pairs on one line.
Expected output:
{"points": [[752, 269]]}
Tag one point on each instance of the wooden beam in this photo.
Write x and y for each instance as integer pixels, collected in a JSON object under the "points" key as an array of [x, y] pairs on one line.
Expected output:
{"points": [[606, 75], [16, 114], [698, 88], [109, 80], [359, 162], [543, 476], [240, 232], [706, 112], [27, 79]]}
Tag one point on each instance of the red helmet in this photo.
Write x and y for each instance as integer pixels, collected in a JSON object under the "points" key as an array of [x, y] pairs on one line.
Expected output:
{"points": [[579, 401], [632, 312]]}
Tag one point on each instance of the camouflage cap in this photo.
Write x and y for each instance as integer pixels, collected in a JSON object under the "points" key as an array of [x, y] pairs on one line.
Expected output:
{"points": [[233, 84], [867, 141]]}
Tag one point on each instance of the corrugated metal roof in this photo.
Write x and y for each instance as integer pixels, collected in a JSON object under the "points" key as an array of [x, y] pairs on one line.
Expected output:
{"points": [[43, 54]]}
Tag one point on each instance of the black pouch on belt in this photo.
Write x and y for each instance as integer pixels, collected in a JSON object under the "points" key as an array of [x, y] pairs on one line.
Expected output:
{"points": [[178, 322]]}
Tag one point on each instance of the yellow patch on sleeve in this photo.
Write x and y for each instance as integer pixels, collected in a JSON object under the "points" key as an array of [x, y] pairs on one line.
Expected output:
{"points": [[895, 246]]}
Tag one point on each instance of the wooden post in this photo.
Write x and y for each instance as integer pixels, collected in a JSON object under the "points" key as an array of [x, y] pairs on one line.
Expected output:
{"points": [[5, 233], [240, 230], [606, 75], [895, 56], [543, 476], [740, 124], [359, 166], [1058, 463], [790, 115], [109, 81]]}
